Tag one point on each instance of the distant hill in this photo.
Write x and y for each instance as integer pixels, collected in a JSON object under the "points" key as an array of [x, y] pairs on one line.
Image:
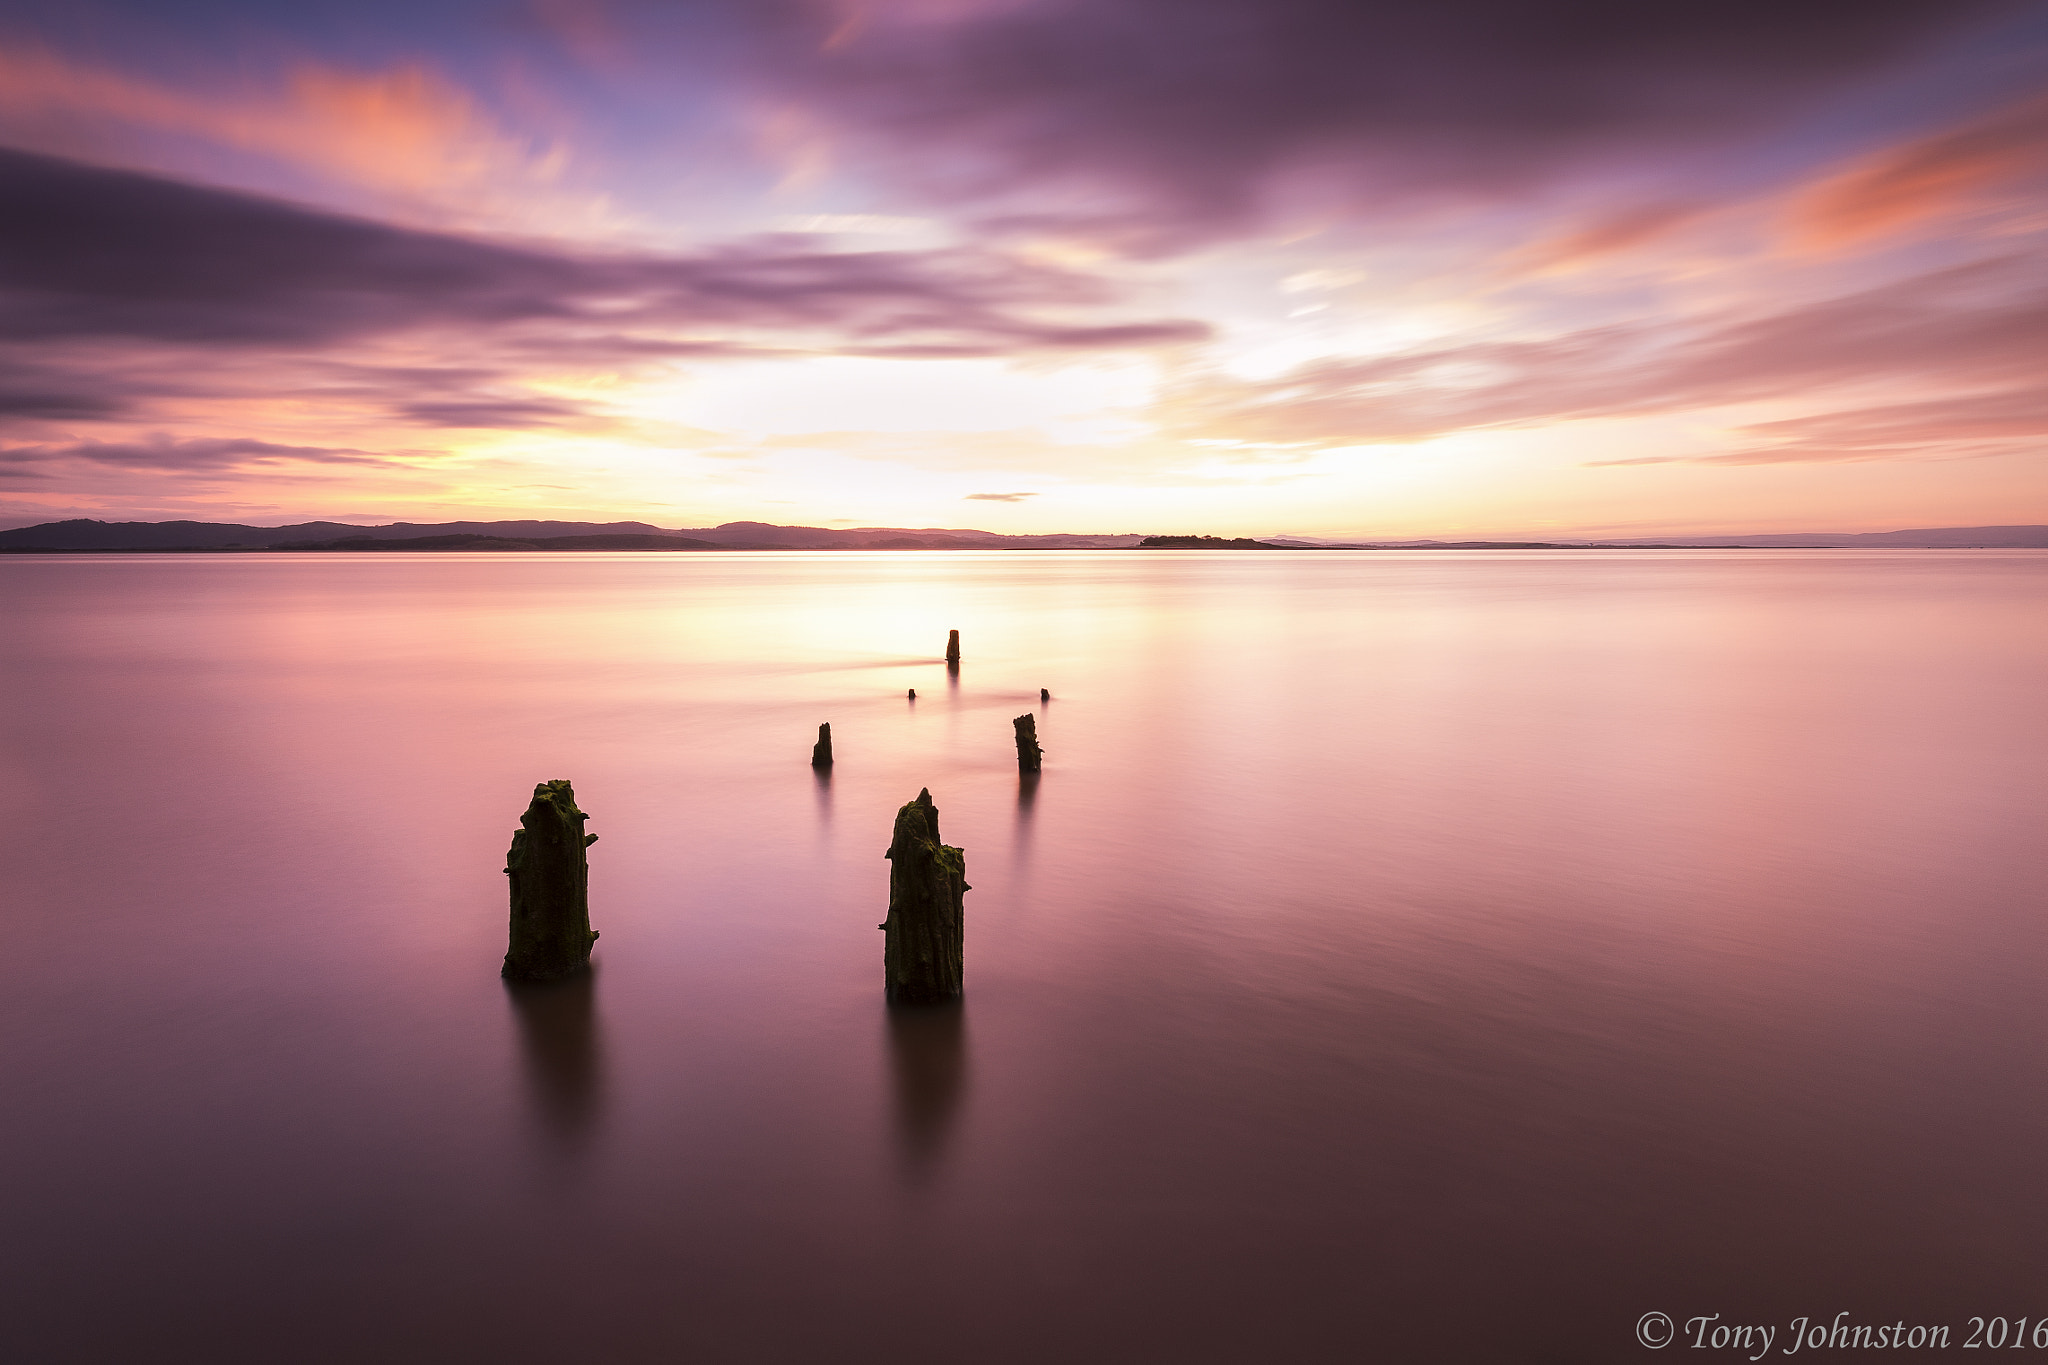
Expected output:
{"points": [[468, 542], [86, 535], [82, 535]]}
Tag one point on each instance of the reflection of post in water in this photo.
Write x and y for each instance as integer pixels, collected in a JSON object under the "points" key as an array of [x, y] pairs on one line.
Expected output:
{"points": [[564, 1070], [1027, 802], [822, 777], [928, 1052]]}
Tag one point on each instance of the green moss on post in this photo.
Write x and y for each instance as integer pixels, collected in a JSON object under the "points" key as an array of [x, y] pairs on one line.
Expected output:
{"points": [[550, 879], [922, 958], [1028, 752]]}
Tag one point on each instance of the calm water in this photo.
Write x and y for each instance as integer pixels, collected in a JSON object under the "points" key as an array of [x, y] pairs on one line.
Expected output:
{"points": [[1403, 957]]}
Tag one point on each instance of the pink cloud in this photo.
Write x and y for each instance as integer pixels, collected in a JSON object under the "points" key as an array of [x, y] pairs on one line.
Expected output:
{"points": [[1921, 181], [1980, 327], [408, 133]]}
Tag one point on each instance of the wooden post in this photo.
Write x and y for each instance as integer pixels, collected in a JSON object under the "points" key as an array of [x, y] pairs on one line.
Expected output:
{"points": [[821, 752], [550, 931], [922, 957], [1027, 743], [952, 649], [913, 694], [1044, 695]]}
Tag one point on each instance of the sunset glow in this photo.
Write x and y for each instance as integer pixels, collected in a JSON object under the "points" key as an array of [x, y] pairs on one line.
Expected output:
{"points": [[1294, 268]]}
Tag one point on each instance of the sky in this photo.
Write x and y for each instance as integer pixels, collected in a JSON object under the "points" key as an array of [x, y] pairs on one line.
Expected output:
{"points": [[1311, 267]]}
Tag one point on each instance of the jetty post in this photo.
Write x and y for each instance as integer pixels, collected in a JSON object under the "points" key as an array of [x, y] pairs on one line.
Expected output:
{"points": [[953, 650], [922, 955], [821, 752], [1028, 752], [549, 875]]}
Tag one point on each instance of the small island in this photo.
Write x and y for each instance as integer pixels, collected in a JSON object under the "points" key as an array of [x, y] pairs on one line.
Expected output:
{"points": [[1208, 543]]}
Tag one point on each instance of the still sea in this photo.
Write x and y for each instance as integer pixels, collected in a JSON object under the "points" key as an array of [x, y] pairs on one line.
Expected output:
{"points": [[1404, 956]]}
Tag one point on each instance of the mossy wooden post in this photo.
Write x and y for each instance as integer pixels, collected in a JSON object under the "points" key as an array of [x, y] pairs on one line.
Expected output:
{"points": [[1027, 743], [952, 649], [551, 933], [922, 956], [821, 752]]}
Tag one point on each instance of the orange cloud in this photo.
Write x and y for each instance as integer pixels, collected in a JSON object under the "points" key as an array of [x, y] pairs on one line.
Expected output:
{"points": [[1610, 236], [1930, 177], [407, 132]]}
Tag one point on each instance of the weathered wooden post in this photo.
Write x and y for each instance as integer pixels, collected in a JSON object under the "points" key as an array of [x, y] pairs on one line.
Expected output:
{"points": [[551, 933], [1028, 751], [821, 752], [913, 694], [1044, 695], [953, 649], [922, 955]]}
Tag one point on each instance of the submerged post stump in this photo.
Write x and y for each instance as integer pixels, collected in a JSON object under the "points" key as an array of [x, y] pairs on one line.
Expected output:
{"points": [[1044, 694], [922, 956], [1028, 751], [952, 649], [550, 879], [821, 752]]}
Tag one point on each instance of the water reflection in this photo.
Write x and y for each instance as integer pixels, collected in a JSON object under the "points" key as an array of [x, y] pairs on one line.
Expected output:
{"points": [[558, 1033], [822, 779], [1027, 802], [928, 1053]]}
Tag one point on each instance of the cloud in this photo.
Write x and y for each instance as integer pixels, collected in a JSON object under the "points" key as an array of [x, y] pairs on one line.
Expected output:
{"points": [[408, 132], [1981, 327], [188, 456], [1924, 179], [1185, 111], [1958, 426], [998, 497], [91, 252], [510, 413], [95, 261], [35, 392], [1596, 242]]}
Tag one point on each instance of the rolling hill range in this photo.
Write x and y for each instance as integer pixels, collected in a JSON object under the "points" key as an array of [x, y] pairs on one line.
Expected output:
{"points": [[82, 535]]}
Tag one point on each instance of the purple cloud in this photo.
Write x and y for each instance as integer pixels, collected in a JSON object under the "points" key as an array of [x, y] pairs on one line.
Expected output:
{"points": [[189, 456], [1184, 110], [94, 260]]}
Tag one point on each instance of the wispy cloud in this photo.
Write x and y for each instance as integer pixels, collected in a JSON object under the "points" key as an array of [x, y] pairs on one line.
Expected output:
{"points": [[1977, 326], [1962, 426], [998, 497], [102, 270], [1599, 241], [420, 142], [1923, 180], [169, 453], [1188, 112]]}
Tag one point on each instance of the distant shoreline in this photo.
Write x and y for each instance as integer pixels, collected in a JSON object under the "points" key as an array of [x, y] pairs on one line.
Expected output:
{"points": [[401, 547], [85, 536]]}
